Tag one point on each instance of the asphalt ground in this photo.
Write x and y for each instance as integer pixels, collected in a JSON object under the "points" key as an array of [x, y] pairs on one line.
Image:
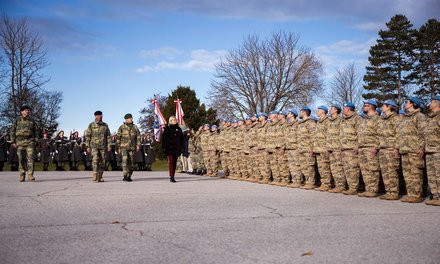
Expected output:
{"points": [[64, 217]]}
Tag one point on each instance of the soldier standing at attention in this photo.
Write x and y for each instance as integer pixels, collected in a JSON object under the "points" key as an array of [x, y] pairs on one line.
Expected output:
{"points": [[412, 149], [23, 137], [432, 138], [262, 156], [98, 140], [280, 153], [389, 158], [291, 142], [44, 150], [270, 141], [349, 146], [306, 129], [334, 149], [129, 141], [368, 140], [320, 149]]}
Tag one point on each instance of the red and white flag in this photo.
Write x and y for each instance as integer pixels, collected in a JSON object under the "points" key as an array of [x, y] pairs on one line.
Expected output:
{"points": [[159, 120], [179, 112]]}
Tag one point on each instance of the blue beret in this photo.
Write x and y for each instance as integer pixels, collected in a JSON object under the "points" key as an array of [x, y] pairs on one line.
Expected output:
{"points": [[293, 111], [437, 97], [263, 114], [349, 104], [314, 118], [390, 103], [213, 126], [401, 112], [371, 102], [379, 110], [284, 113], [323, 107], [206, 125], [306, 108], [416, 101], [273, 112], [256, 115], [337, 106]]}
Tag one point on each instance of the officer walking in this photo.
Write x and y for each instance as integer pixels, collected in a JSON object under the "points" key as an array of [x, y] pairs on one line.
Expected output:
{"points": [[23, 137], [129, 141]]}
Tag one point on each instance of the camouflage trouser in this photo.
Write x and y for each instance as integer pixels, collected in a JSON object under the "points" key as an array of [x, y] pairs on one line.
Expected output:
{"points": [[433, 170], [128, 163], [211, 161], [98, 161], [233, 161], [412, 167], [247, 165], [26, 161], [323, 161], [252, 161], [274, 166], [337, 170], [224, 162], [283, 166], [370, 169], [194, 159], [350, 162], [389, 166], [307, 166], [243, 165], [263, 164], [294, 167], [202, 164]]}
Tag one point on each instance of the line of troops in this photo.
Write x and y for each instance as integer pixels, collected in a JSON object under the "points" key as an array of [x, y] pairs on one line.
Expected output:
{"points": [[126, 149], [339, 149]]}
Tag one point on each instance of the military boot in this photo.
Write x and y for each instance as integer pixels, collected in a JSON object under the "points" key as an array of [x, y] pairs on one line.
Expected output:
{"points": [[323, 188], [409, 199], [100, 179], [390, 196], [435, 202], [367, 194], [31, 177], [337, 190], [308, 186], [95, 177], [129, 178], [350, 192], [21, 178], [294, 185]]}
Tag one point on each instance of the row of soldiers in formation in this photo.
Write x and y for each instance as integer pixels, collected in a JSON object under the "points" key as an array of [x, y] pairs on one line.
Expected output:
{"points": [[340, 148], [61, 150]]}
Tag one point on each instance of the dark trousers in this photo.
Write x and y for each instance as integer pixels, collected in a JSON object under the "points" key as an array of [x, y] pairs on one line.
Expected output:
{"points": [[172, 163]]}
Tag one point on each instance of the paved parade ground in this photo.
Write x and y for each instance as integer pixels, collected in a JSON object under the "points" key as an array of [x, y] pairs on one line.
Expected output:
{"points": [[64, 217]]}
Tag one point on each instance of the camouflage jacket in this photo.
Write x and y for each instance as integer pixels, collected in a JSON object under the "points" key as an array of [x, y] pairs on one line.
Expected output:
{"points": [[23, 131], [98, 135], [261, 135], [204, 140], [129, 137], [387, 127], [239, 137], [280, 134], [250, 136], [333, 134], [306, 129], [349, 131], [410, 133], [271, 136], [320, 135], [290, 135], [367, 132], [432, 133], [225, 139]]}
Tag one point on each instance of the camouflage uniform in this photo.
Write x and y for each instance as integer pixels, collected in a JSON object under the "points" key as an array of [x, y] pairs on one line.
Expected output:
{"points": [[224, 147], [291, 142], [98, 139], [271, 144], [349, 145], [389, 163], [233, 154], [240, 146], [335, 153], [262, 154], [432, 138], [368, 141], [201, 159], [250, 138], [128, 139], [206, 149], [281, 154], [411, 142], [321, 152], [24, 135], [306, 129]]}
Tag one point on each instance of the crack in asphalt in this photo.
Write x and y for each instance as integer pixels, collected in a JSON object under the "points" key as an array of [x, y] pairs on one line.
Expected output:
{"points": [[272, 210], [58, 190]]}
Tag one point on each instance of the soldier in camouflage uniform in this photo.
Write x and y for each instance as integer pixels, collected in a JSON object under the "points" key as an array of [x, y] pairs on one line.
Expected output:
{"points": [[205, 145], [412, 148], [306, 130], [262, 154], [23, 138], [250, 139], [350, 148], [221, 145], [432, 141], [291, 142], [129, 141], [368, 142], [226, 143], [280, 150], [240, 147], [98, 140], [270, 144], [320, 148], [389, 158], [234, 167], [213, 157], [334, 149]]}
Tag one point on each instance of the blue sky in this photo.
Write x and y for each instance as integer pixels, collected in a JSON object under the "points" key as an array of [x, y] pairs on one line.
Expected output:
{"points": [[112, 55]]}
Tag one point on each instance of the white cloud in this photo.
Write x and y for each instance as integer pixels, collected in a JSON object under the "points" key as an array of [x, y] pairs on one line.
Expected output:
{"points": [[168, 52], [198, 60], [347, 47]]}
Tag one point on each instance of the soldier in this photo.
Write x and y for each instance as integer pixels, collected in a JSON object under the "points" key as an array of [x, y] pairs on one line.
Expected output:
{"points": [[291, 142], [205, 145], [432, 140], [262, 154], [129, 141], [250, 139], [320, 148], [212, 163], [98, 142], [368, 143], [412, 148], [61, 145], [44, 147], [23, 138], [240, 160], [334, 149], [280, 149], [270, 146], [306, 129], [231, 137], [224, 145], [349, 146], [389, 159]]}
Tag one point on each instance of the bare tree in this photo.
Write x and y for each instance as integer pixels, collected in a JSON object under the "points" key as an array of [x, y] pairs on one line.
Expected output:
{"points": [[22, 78], [346, 86], [263, 75]]}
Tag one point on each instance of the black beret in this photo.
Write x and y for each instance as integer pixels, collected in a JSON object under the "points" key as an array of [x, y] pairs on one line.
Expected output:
{"points": [[127, 116], [24, 107], [98, 113]]}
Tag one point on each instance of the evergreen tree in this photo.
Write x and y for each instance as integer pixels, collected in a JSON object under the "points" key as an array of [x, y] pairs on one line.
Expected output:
{"points": [[391, 61], [427, 70]]}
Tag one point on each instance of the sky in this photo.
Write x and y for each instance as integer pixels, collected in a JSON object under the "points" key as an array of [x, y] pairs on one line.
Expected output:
{"points": [[112, 55]]}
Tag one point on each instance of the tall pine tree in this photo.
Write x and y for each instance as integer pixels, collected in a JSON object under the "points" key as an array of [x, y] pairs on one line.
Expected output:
{"points": [[391, 61], [427, 70]]}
